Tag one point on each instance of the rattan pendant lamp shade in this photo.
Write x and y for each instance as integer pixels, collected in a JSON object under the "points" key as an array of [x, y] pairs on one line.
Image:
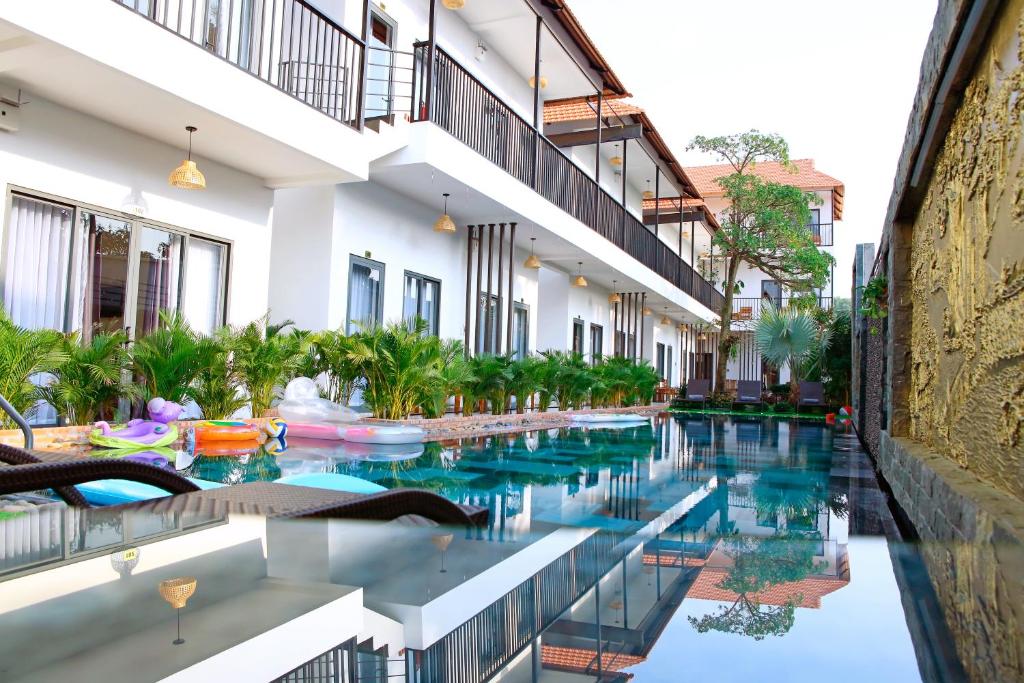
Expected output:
{"points": [[579, 280], [453, 4], [445, 223], [187, 176], [532, 261], [614, 297]]}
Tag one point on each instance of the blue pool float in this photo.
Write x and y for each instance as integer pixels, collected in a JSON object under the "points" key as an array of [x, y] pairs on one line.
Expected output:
{"points": [[117, 491], [332, 482]]}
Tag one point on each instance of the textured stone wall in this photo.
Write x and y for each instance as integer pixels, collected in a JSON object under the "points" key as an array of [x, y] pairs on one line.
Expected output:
{"points": [[966, 394], [972, 546]]}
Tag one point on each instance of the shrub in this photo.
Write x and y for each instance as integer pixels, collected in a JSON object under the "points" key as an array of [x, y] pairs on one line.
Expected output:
{"points": [[399, 364], [783, 407], [23, 354], [87, 383], [265, 358], [169, 359], [781, 390]]}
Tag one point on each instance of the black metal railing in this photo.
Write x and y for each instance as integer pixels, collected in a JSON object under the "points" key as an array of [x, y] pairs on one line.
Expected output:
{"points": [[388, 82], [286, 43], [451, 97], [749, 308], [337, 665], [821, 233], [486, 643]]}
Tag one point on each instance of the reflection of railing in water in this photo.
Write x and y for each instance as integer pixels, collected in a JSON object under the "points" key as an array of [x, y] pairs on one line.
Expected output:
{"points": [[486, 643]]}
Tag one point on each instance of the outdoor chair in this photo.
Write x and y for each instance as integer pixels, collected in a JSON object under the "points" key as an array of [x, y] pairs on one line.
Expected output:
{"points": [[748, 392], [697, 391], [745, 313], [27, 472], [811, 394]]}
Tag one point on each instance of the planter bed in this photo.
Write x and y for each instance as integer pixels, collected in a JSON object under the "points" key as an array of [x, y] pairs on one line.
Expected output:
{"points": [[741, 413]]}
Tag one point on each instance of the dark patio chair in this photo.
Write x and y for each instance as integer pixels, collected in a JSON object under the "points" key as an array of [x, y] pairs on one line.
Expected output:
{"points": [[30, 473], [748, 392], [697, 391], [811, 394]]}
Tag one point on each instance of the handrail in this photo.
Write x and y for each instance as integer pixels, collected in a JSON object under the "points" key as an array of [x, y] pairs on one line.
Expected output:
{"points": [[19, 420], [474, 114]]}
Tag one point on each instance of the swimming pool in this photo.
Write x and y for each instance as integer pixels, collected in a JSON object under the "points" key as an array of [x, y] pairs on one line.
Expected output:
{"points": [[730, 548]]}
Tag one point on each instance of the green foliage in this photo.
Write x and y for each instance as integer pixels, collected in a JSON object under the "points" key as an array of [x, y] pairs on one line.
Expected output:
{"points": [[567, 377], [24, 353], [790, 335], [494, 378], [265, 357], [87, 382], [837, 364], [454, 373], [217, 384], [169, 359], [781, 390], [328, 353], [783, 407], [399, 365], [875, 301], [764, 226], [525, 380], [643, 380]]}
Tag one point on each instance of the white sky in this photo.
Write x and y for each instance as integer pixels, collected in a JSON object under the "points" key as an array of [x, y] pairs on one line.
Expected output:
{"points": [[836, 78]]}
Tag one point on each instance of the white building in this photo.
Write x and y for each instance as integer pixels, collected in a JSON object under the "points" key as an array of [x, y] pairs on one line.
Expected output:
{"points": [[755, 285], [328, 136]]}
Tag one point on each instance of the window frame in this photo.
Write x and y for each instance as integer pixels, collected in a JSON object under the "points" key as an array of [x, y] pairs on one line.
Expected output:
{"points": [[136, 222], [599, 337], [525, 308], [353, 259], [421, 281], [578, 324]]}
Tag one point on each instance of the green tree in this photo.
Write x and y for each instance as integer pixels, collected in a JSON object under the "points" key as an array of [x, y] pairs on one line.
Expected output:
{"points": [[168, 359], [24, 353], [765, 226], [216, 388], [399, 364], [792, 336], [265, 358]]}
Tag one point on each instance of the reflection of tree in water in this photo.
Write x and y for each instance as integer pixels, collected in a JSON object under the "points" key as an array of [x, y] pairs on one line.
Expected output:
{"points": [[759, 564]]}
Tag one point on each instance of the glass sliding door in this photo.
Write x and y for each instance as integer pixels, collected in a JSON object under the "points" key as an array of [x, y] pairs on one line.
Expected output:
{"points": [[160, 256], [596, 343], [38, 260], [203, 300], [365, 293], [105, 301], [422, 300], [577, 336], [520, 330]]}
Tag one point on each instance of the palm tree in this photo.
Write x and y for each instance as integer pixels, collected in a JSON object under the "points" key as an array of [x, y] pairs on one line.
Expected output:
{"points": [[455, 373], [525, 380], [217, 386], [791, 335], [88, 381], [493, 380], [24, 353], [170, 358], [265, 358]]}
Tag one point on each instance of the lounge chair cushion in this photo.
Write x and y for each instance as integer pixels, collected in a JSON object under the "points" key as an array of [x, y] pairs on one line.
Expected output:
{"points": [[332, 482], [118, 491]]}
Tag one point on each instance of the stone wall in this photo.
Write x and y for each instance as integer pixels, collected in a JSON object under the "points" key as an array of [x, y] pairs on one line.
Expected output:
{"points": [[966, 389], [973, 546]]}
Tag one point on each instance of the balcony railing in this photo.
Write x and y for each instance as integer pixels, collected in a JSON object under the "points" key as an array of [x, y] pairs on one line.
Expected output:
{"points": [[464, 107], [821, 233], [746, 309], [285, 43]]}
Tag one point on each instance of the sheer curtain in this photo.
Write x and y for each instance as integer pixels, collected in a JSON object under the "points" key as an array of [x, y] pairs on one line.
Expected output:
{"points": [[204, 279], [364, 284], [37, 263]]}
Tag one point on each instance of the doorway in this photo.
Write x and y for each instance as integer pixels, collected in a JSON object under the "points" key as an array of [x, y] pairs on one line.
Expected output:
{"points": [[380, 65]]}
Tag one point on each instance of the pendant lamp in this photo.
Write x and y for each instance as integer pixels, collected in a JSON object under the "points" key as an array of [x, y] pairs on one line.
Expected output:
{"points": [[616, 160], [453, 4], [187, 176], [647, 193], [614, 297], [579, 280], [532, 261], [445, 222]]}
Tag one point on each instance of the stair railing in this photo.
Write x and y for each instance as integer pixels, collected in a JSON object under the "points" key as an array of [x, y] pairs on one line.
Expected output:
{"points": [[18, 420]]}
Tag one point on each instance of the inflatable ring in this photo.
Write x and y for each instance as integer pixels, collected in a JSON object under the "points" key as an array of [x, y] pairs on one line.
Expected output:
{"points": [[226, 430]]}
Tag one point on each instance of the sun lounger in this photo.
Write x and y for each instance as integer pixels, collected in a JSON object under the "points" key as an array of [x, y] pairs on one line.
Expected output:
{"points": [[811, 394], [748, 392], [261, 498], [697, 390]]}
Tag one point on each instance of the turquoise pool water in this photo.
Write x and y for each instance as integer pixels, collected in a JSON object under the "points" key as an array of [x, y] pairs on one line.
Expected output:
{"points": [[730, 549], [757, 543]]}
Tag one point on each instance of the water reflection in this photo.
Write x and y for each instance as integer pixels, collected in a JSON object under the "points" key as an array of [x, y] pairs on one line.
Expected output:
{"points": [[608, 554]]}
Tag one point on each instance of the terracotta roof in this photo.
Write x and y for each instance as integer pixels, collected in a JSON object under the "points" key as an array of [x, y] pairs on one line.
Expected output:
{"points": [[673, 560], [578, 659], [810, 590], [584, 109], [806, 177]]}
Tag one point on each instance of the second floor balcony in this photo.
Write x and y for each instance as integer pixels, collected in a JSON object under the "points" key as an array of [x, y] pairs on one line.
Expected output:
{"points": [[748, 309]]}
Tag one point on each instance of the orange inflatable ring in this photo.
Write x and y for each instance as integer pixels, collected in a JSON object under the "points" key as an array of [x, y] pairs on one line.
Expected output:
{"points": [[225, 430]]}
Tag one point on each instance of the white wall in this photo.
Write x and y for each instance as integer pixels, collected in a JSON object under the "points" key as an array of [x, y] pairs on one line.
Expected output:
{"points": [[65, 153]]}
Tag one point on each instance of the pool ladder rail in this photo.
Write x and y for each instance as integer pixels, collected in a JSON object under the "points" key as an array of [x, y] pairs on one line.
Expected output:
{"points": [[18, 420]]}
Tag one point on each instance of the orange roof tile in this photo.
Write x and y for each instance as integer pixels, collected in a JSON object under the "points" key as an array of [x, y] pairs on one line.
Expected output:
{"points": [[806, 177], [582, 109], [578, 659], [810, 590], [670, 204]]}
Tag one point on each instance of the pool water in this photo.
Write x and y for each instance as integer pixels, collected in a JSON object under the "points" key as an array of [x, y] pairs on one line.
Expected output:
{"points": [[758, 546], [681, 548]]}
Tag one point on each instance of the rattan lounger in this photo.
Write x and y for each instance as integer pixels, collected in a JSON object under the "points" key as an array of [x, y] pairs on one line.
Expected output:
{"points": [[269, 499]]}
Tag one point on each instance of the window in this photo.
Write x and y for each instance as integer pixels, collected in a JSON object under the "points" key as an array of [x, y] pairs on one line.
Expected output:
{"points": [[520, 330], [659, 360], [596, 343], [668, 365], [487, 323], [365, 293], [815, 225], [422, 300], [772, 291], [68, 267], [577, 336]]}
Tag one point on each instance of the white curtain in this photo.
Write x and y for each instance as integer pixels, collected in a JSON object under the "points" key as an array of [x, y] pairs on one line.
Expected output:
{"points": [[204, 279], [37, 263], [364, 291]]}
